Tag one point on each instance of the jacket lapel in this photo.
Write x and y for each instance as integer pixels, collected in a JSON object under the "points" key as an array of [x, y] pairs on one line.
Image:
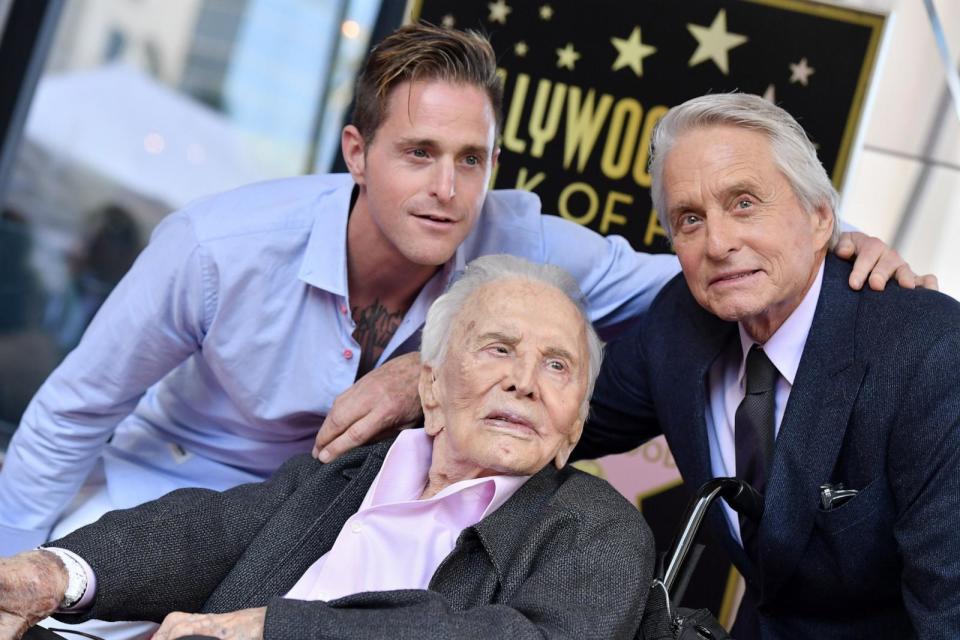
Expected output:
{"points": [[812, 430], [302, 531], [689, 444], [702, 339], [505, 530]]}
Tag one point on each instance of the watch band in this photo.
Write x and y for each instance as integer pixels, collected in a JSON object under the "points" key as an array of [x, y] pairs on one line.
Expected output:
{"points": [[76, 576]]}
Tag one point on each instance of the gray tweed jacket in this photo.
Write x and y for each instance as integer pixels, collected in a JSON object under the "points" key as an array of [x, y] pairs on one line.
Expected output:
{"points": [[564, 557]]}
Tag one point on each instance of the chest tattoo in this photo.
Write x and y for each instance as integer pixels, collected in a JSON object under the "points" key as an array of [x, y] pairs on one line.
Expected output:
{"points": [[375, 325]]}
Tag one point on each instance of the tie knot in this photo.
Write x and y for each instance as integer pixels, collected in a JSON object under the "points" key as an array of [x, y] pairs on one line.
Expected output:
{"points": [[761, 373]]}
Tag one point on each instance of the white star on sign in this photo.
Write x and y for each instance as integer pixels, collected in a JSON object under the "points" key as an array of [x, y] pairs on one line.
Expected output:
{"points": [[631, 52], [567, 57], [714, 42], [448, 21], [498, 11], [521, 49], [801, 72], [546, 12]]}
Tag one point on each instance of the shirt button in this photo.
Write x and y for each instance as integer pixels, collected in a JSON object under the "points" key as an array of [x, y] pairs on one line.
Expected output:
{"points": [[356, 527], [347, 353], [343, 309]]}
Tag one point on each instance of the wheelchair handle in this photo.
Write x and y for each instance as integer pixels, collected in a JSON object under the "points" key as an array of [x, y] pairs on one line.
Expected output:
{"points": [[742, 497]]}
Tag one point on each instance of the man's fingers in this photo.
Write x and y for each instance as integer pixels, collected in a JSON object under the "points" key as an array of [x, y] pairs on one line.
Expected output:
{"points": [[329, 430], [176, 625], [346, 410], [12, 627], [845, 247], [928, 281], [380, 401], [858, 276], [360, 432], [905, 276]]}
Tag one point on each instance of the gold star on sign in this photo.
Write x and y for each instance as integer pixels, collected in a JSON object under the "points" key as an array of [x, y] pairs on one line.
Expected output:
{"points": [[521, 49], [567, 57], [631, 52], [801, 72], [448, 21], [546, 12], [715, 42], [498, 11]]}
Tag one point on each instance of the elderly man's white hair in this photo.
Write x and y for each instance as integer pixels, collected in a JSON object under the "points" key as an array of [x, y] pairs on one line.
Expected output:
{"points": [[486, 270], [793, 152]]}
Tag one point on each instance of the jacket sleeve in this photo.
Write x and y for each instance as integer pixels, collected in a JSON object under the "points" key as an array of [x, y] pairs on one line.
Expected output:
{"points": [[593, 587], [154, 319], [622, 414], [170, 554], [924, 459]]}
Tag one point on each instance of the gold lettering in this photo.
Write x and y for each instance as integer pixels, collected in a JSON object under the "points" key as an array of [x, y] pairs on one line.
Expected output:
{"points": [[609, 216], [510, 128], [529, 184], [542, 130], [564, 201], [583, 125], [640, 174], [653, 229], [622, 138]]}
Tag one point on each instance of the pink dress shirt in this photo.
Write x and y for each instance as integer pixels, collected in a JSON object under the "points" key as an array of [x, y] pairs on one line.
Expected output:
{"points": [[395, 540]]}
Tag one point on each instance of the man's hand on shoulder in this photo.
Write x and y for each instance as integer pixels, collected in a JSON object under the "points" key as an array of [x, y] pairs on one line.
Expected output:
{"points": [[878, 263], [246, 624], [381, 402], [32, 585]]}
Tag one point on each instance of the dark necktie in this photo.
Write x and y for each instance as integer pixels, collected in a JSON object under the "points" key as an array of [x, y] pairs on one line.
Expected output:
{"points": [[753, 434]]}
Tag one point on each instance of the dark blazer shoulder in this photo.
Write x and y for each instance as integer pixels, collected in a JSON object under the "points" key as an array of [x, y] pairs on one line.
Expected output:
{"points": [[895, 323], [569, 503]]}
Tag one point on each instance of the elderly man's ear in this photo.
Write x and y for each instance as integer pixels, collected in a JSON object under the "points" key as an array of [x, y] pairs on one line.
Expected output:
{"points": [[429, 398], [567, 447]]}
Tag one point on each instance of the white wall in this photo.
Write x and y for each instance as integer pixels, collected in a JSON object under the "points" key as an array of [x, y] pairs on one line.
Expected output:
{"points": [[909, 156]]}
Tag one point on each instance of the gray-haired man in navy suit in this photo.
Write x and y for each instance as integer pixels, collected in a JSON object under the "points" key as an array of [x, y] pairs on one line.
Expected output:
{"points": [[841, 406]]}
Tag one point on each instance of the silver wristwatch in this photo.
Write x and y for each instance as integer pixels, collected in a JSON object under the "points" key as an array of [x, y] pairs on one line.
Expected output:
{"points": [[76, 576]]}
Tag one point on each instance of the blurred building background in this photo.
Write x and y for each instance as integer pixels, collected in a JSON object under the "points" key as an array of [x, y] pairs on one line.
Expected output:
{"points": [[136, 107]]}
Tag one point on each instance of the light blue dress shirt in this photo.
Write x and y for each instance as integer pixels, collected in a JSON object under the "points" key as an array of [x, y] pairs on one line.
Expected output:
{"points": [[218, 355]]}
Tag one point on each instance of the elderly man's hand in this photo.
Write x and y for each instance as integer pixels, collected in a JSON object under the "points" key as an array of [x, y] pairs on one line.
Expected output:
{"points": [[32, 585], [878, 262], [246, 624], [383, 401]]}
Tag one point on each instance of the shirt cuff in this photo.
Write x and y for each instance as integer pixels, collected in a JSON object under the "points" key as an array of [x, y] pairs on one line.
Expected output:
{"points": [[91, 589]]}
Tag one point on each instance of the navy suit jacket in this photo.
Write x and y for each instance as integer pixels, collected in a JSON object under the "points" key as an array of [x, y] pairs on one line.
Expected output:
{"points": [[875, 405]]}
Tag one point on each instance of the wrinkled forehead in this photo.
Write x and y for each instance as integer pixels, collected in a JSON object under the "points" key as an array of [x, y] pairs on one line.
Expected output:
{"points": [[530, 309], [718, 156]]}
